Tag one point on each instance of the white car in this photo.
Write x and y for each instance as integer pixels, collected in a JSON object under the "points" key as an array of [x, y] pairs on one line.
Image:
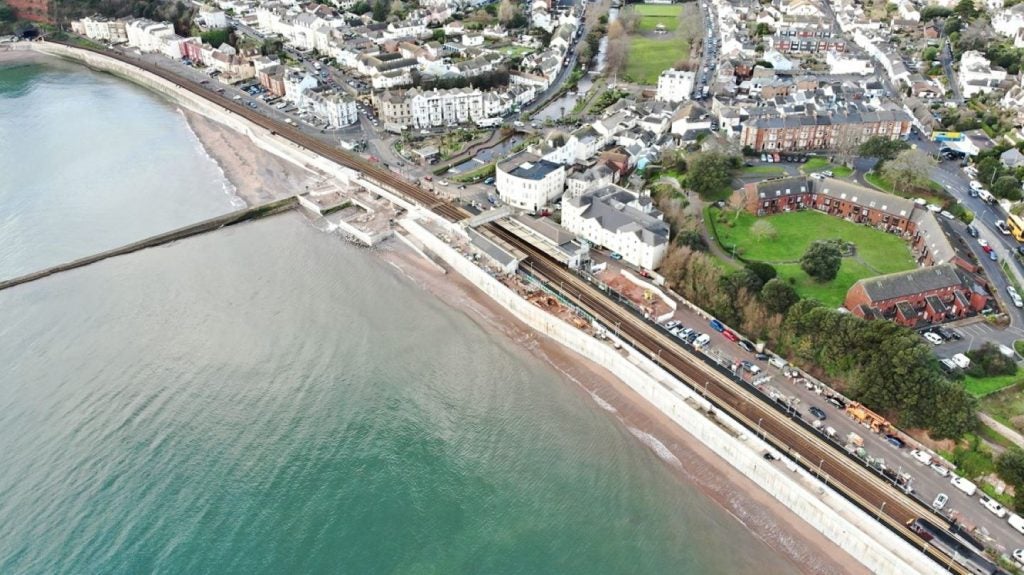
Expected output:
{"points": [[1001, 225], [940, 501], [983, 242], [921, 456], [934, 208], [994, 506], [1018, 555], [942, 471], [934, 338], [1012, 290]]}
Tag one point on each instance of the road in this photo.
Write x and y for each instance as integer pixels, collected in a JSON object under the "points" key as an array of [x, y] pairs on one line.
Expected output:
{"points": [[946, 57], [788, 435], [706, 67]]}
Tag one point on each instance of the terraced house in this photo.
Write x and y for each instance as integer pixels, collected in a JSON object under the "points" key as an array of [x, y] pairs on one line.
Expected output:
{"points": [[823, 131]]}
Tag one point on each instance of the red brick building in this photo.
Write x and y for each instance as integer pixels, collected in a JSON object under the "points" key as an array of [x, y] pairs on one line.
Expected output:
{"points": [[927, 295], [272, 78], [822, 131], [34, 10]]}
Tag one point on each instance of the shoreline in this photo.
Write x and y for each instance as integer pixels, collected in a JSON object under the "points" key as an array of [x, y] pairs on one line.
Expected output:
{"points": [[257, 176], [687, 458]]}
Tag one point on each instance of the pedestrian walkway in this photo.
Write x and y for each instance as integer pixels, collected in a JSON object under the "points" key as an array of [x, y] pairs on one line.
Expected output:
{"points": [[1006, 432]]}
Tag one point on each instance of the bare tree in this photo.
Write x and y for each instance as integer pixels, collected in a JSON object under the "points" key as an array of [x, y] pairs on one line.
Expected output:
{"points": [[763, 230], [507, 10], [911, 168]]}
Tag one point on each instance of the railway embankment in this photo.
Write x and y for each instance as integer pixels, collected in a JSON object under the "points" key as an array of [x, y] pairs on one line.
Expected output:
{"points": [[850, 528]]}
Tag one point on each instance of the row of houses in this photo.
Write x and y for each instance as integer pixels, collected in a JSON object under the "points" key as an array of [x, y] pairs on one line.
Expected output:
{"points": [[946, 286], [438, 108]]}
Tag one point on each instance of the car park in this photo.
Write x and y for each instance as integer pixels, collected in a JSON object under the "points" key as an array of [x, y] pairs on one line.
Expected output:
{"points": [[940, 501], [994, 506], [702, 340], [817, 412], [671, 324]]}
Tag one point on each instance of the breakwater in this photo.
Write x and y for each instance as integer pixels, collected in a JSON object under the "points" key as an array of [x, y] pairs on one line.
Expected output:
{"points": [[209, 225]]}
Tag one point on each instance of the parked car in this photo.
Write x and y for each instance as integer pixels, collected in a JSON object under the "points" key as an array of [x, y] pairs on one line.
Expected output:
{"points": [[994, 506], [942, 471], [746, 345], [671, 324], [972, 231], [895, 441], [761, 356], [922, 456], [933, 338], [984, 245], [817, 412], [963, 485], [616, 256], [702, 340], [992, 255], [940, 501], [1018, 555], [731, 336], [717, 325]]}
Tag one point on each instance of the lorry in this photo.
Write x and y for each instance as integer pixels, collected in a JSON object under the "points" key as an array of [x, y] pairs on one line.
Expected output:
{"points": [[867, 418]]}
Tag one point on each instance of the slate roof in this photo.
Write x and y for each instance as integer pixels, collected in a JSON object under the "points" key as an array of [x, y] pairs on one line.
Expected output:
{"points": [[865, 197], [608, 205], [908, 283]]}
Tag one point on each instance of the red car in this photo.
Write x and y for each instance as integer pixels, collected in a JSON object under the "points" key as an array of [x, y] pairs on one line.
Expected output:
{"points": [[731, 336]]}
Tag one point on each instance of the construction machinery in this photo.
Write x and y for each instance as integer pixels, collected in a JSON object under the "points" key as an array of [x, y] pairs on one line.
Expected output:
{"points": [[867, 418]]}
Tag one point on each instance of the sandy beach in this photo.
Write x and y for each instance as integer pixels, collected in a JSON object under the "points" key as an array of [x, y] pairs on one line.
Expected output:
{"points": [[685, 455], [258, 176]]}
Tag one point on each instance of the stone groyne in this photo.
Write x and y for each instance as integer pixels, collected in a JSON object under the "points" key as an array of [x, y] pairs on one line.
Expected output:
{"points": [[253, 213]]}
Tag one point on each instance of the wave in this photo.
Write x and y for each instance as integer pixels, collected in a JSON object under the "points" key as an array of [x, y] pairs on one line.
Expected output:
{"points": [[657, 447], [227, 186]]}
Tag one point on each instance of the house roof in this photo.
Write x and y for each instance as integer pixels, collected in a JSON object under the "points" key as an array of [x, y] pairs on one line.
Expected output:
{"points": [[912, 282], [609, 206], [866, 197]]}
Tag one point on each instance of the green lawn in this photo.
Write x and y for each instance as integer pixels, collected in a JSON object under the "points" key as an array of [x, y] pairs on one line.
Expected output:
{"points": [[1004, 405], [650, 15], [763, 170], [935, 189], [514, 51], [650, 54], [982, 386], [819, 164], [877, 252]]}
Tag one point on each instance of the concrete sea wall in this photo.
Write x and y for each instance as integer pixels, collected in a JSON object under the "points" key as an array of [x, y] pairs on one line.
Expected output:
{"points": [[856, 532]]}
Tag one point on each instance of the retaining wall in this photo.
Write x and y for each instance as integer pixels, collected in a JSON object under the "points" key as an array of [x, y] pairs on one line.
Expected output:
{"points": [[859, 534]]}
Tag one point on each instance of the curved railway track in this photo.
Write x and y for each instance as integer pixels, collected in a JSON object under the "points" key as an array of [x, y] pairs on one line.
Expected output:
{"points": [[847, 476]]}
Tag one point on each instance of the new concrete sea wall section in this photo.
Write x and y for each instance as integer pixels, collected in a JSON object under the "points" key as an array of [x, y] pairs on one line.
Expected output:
{"points": [[858, 533], [202, 227]]}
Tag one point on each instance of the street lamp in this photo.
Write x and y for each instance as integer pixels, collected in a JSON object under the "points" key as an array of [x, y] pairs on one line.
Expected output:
{"points": [[881, 510], [759, 430]]}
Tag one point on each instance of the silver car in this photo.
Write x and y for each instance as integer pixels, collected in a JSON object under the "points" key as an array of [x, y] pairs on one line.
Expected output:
{"points": [[940, 501]]}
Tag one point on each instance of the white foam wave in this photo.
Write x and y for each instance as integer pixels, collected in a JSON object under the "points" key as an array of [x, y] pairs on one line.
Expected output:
{"points": [[657, 447], [229, 188], [602, 403]]}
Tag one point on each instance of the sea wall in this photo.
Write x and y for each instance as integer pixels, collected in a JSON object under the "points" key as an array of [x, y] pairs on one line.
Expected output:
{"points": [[856, 532]]}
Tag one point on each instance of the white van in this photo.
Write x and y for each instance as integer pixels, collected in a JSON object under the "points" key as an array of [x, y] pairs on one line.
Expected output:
{"points": [[1017, 522], [994, 506], [964, 485], [778, 362]]}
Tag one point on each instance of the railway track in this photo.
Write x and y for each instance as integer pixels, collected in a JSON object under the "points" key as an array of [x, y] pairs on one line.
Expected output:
{"points": [[848, 477], [839, 470]]}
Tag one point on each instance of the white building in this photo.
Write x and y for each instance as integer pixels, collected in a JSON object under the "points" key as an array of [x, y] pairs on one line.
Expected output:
{"points": [[113, 31], [977, 76], [1010, 22], [296, 84], [445, 107], [527, 182], [620, 221], [336, 109], [675, 86], [845, 64], [149, 36], [213, 18]]}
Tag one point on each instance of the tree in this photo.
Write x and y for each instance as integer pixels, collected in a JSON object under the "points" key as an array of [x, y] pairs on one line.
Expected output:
{"points": [[882, 148], [585, 54], [934, 11], [360, 8], [763, 29], [381, 9], [778, 296], [1007, 187], [1010, 466], [763, 230], [909, 169], [821, 261], [764, 271], [988, 170], [929, 54], [966, 9], [7, 13], [708, 173]]}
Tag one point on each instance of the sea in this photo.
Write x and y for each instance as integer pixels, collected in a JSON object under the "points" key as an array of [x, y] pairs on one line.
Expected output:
{"points": [[270, 399]]}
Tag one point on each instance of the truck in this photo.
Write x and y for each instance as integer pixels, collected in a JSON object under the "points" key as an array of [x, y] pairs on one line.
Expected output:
{"points": [[867, 418]]}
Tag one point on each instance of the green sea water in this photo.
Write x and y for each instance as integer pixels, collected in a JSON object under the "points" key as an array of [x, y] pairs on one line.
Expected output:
{"points": [[268, 399]]}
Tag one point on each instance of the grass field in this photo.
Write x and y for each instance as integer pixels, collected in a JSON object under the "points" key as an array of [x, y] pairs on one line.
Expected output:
{"points": [[650, 54], [982, 386], [763, 170], [1004, 405], [935, 189], [653, 14], [819, 164], [876, 252]]}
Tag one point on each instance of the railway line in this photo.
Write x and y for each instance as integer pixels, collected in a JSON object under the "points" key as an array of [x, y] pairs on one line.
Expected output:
{"points": [[837, 468], [847, 476]]}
